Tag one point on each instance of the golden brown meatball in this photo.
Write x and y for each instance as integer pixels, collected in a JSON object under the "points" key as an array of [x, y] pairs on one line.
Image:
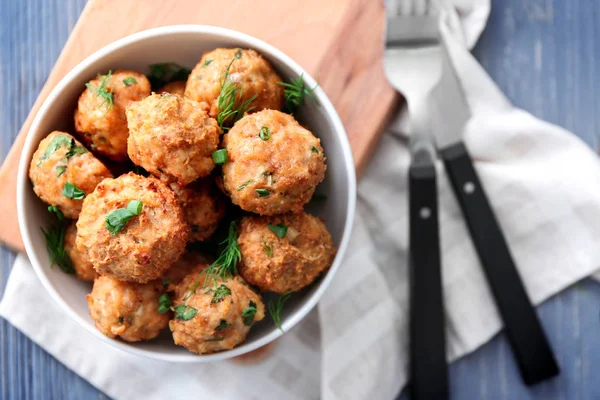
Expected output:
{"points": [[203, 207], [100, 115], [189, 261], [274, 164], [172, 135], [147, 244], [213, 318], [58, 160], [84, 269], [125, 309], [276, 264], [177, 87], [251, 73]]}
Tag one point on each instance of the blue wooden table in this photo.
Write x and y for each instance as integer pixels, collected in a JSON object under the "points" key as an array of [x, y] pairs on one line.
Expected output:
{"points": [[544, 54]]}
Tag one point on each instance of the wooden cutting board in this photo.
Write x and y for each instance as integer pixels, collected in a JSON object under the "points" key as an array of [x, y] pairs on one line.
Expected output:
{"points": [[338, 41]]}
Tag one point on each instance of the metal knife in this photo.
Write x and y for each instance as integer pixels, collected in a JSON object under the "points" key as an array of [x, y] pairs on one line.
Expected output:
{"points": [[526, 336]]}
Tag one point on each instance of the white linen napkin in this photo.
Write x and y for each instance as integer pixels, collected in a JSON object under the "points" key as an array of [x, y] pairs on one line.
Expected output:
{"points": [[538, 178]]}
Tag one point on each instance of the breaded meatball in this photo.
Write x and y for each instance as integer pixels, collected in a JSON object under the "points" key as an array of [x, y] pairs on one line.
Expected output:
{"points": [[84, 269], [213, 318], [189, 261], [276, 264], [203, 206], [274, 164], [58, 160], [177, 87], [251, 73], [100, 115], [172, 135], [125, 309], [148, 243]]}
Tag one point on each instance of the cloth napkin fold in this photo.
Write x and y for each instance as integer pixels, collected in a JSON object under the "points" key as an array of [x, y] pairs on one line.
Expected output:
{"points": [[538, 178]]}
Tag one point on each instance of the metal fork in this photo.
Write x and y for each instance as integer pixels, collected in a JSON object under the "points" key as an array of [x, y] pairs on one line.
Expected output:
{"points": [[413, 66]]}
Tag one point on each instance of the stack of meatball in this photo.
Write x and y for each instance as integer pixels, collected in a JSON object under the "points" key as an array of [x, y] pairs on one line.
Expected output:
{"points": [[142, 272]]}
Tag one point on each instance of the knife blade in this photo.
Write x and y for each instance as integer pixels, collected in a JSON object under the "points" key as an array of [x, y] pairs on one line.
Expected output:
{"points": [[525, 333]]}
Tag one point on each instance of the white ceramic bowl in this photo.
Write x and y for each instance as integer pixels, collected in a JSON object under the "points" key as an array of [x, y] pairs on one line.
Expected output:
{"points": [[184, 44]]}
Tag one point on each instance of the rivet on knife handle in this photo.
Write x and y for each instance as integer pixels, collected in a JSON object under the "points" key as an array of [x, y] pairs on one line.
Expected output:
{"points": [[525, 334], [427, 338]]}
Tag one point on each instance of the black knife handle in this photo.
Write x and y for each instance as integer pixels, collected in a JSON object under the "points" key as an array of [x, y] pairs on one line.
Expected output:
{"points": [[427, 337], [525, 334]]}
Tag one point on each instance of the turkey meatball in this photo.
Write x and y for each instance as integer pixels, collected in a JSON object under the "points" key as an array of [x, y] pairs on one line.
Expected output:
{"points": [[125, 309], [213, 318], [177, 87], [132, 247], [173, 136], [84, 269], [203, 207], [246, 69], [274, 165], [62, 172], [100, 115], [285, 252]]}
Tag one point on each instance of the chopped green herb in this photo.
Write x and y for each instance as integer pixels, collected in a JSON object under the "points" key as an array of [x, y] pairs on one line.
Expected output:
{"points": [[248, 313], [56, 210], [102, 91], [229, 97], [62, 140], [55, 243], [206, 63], [279, 229], [265, 133], [164, 303], [243, 185], [215, 339], [220, 293], [116, 220], [275, 308], [295, 94], [268, 249], [163, 73], [71, 191], [191, 290], [226, 264], [220, 156], [130, 80], [262, 192], [60, 170], [185, 313], [75, 151], [222, 325], [238, 54], [314, 149]]}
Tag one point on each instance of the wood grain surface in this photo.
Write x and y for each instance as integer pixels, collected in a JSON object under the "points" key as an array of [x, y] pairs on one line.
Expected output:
{"points": [[338, 41]]}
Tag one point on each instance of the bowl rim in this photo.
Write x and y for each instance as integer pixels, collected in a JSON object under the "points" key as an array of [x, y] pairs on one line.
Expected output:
{"points": [[262, 47]]}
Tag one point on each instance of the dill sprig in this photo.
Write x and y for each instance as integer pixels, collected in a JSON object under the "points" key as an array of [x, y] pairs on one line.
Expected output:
{"points": [[225, 265], [276, 306], [230, 109], [102, 91], [55, 243], [295, 94], [163, 73]]}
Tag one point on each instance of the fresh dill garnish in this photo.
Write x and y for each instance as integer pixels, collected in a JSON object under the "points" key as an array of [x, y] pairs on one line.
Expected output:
{"points": [[222, 325], [248, 313], [267, 248], [102, 91], [163, 73], [71, 192], [215, 339], [228, 103], [220, 293], [116, 220], [164, 303], [55, 243], [276, 306], [184, 312], [130, 80], [56, 210], [206, 63], [314, 149], [295, 94], [262, 192], [280, 230], [191, 290], [226, 264], [265, 133], [243, 185], [75, 150], [60, 170]]}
